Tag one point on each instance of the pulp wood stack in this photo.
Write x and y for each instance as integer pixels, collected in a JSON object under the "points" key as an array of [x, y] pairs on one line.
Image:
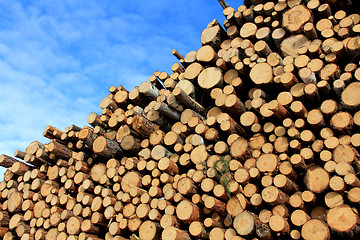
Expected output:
{"points": [[252, 136]]}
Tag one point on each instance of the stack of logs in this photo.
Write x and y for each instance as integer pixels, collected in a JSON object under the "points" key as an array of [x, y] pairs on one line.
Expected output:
{"points": [[252, 136]]}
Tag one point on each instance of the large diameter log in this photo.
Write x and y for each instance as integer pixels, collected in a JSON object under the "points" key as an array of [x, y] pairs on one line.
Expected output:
{"points": [[130, 180], [350, 96], [106, 147], [295, 18], [15, 221], [261, 73], [344, 220], [33, 147], [212, 36], [97, 171], [15, 201], [206, 54], [244, 223], [268, 163], [210, 78], [290, 46], [19, 168], [199, 154], [315, 229]]}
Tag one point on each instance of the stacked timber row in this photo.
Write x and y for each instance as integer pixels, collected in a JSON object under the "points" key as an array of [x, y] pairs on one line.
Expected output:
{"points": [[252, 136]]}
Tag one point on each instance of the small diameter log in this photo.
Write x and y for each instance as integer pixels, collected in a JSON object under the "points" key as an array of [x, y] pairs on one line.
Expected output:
{"points": [[188, 212], [215, 205], [186, 186], [87, 136], [143, 126], [316, 179], [149, 230], [240, 148], [60, 150], [188, 101], [197, 229], [106, 147], [7, 161], [130, 143], [149, 90], [169, 166], [94, 120], [164, 109], [274, 196]]}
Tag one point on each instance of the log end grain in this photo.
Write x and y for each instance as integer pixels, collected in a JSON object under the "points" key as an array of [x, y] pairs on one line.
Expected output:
{"points": [[261, 73], [210, 77], [296, 17], [342, 218], [351, 96], [316, 179]]}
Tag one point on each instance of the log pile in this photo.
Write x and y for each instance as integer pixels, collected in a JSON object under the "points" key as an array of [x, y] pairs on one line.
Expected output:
{"points": [[252, 136]]}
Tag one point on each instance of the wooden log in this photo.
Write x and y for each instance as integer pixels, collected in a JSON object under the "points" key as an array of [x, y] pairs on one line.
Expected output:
{"points": [[188, 212], [149, 230], [274, 196], [188, 101], [164, 109], [210, 77], [173, 233], [7, 161], [197, 229], [345, 225], [143, 126], [261, 74], [106, 147], [60, 150], [149, 90]]}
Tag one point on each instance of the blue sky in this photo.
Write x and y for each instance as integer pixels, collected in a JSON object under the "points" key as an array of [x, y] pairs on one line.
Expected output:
{"points": [[58, 58]]}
